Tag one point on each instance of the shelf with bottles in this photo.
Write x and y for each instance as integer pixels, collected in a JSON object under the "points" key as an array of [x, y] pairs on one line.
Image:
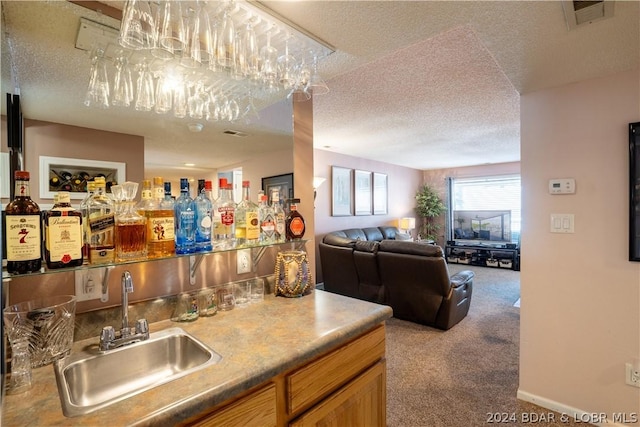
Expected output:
{"points": [[257, 251]]}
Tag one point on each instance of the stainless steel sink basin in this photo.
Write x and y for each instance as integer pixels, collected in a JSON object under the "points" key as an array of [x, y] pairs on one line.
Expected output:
{"points": [[90, 380]]}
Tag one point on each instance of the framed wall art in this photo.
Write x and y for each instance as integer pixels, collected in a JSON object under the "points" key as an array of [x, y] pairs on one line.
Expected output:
{"points": [[64, 174], [379, 193], [362, 182], [341, 186], [282, 183]]}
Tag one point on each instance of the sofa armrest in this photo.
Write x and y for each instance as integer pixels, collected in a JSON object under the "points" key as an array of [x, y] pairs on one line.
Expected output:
{"points": [[462, 278]]}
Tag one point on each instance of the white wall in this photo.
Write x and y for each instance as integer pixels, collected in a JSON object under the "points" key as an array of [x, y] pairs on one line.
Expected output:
{"points": [[580, 313]]}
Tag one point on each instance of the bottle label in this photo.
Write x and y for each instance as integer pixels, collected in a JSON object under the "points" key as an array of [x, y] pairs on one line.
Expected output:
{"points": [[102, 223], [297, 227], [226, 215], [161, 229], [146, 195], [23, 237], [253, 226], [268, 227], [280, 224], [64, 238]]}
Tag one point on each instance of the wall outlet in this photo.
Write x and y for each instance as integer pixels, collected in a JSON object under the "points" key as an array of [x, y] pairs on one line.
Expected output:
{"points": [[243, 259], [89, 283], [632, 375]]}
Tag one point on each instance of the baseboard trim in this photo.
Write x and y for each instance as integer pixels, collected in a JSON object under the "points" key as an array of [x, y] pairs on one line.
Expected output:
{"points": [[571, 412]]}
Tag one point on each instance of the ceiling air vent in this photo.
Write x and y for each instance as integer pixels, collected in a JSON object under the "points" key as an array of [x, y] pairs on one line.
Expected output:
{"points": [[578, 13], [235, 133]]}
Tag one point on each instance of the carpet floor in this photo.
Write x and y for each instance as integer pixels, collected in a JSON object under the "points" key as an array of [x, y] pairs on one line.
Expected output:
{"points": [[466, 375]]}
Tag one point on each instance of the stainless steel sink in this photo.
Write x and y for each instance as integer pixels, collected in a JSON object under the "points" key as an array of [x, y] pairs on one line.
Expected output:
{"points": [[91, 380]]}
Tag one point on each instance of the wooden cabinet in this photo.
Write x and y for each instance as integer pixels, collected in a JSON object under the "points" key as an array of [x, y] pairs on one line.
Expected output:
{"points": [[346, 386]]}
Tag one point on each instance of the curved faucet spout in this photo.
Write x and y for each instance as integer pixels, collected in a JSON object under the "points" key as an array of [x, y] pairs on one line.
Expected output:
{"points": [[127, 288]]}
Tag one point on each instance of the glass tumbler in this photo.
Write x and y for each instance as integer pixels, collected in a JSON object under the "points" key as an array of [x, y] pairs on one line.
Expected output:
{"points": [[208, 302], [20, 367], [226, 298]]}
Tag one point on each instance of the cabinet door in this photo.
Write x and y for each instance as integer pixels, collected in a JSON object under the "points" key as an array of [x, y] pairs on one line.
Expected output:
{"points": [[362, 402], [257, 409]]}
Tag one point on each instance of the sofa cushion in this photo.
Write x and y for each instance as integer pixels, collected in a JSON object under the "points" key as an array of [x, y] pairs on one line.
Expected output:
{"points": [[373, 233], [370, 246], [336, 239], [411, 248], [355, 234], [388, 232]]}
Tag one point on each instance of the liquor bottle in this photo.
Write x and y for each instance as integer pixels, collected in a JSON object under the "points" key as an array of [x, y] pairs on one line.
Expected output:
{"points": [[247, 223], [131, 227], [267, 222], [91, 186], [161, 225], [63, 234], [185, 220], [23, 230], [224, 231], [101, 225], [294, 223], [279, 217], [204, 220]]}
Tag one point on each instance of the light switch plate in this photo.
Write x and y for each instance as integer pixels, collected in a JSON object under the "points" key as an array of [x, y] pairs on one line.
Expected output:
{"points": [[562, 223]]}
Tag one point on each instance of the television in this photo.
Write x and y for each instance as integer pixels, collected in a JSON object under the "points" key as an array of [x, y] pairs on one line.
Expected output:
{"points": [[490, 226]]}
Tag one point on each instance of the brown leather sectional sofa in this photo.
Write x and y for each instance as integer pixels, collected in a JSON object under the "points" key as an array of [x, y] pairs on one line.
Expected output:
{"points": [[411, 277]]}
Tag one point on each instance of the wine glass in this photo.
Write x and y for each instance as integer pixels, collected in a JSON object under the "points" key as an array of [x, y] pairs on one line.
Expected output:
{"points": [[98, 90], [137, 30], [226, 41], [145, 96], [122, 82], [269, 71]]}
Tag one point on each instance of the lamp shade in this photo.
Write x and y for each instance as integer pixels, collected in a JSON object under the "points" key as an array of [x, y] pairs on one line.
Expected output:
{"points": [[407, 223]]}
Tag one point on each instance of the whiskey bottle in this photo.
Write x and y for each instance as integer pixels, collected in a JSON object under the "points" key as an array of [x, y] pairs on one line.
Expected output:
{"points": [[279, 217], [185, 220], [63, 234], [91, 187], [101, 225], [159, 212], [131, 227], [23, 230], [247, 223], [294, 223]]}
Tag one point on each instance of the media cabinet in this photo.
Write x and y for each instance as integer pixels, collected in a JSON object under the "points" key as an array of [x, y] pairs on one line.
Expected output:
{"points": [[485, 255]]}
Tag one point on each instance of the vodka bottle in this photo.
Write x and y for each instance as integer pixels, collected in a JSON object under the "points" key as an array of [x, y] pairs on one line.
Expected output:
{"points": [[267, 222], [295, 226], [185, 220], [204, 220], [101, 225], [247, 223], [63, 234], [225, 228], [23, 232], [279, 217]]}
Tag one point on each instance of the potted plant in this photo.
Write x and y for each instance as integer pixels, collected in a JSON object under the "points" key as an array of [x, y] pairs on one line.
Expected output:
{"points": [[429, 207]]}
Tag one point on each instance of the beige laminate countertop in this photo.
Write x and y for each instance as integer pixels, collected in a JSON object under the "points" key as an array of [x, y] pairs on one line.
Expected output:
{"points": [[256, 343]]}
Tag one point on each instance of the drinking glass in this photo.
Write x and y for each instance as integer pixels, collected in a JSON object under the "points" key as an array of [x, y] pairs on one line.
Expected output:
{"points": [[286, 67], [164, 95], [172, 33], [226, 298], [257, 290], [226, 41], [269, 70], [251, 52], [98, 90], [145, 96], [122, 83], [242, 292], [137, 30], [180, 100], [186, 308], [317, 85], [199, 48], [208, 302]]}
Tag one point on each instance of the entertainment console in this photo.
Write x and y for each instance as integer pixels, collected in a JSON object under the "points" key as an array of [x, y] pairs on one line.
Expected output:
{"points": [[485, 255]]}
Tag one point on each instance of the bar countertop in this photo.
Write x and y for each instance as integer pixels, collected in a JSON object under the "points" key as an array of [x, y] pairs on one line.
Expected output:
{"points": [[256, 343]]}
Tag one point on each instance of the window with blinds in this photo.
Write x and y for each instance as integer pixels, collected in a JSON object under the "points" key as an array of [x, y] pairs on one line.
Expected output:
{"points": [[485, 208]]}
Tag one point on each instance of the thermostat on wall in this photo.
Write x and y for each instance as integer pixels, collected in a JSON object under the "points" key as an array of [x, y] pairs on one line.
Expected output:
{"points": [[562, 186]]}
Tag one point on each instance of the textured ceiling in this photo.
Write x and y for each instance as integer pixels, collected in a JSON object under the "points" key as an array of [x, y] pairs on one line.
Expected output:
{"points": [[423, 84]]}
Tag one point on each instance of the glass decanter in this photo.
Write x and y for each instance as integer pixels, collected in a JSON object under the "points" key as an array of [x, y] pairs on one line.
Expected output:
{"points": [[131, 227]]}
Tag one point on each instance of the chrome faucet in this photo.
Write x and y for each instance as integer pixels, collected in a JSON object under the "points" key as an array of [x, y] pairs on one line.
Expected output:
{"points": [[109, 338]]}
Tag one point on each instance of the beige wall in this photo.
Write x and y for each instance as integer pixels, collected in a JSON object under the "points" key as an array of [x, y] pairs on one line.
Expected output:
{"points": [[580, 313], [402, 186]]}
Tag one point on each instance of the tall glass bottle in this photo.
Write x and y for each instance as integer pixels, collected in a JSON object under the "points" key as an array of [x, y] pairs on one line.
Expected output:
{"points": [[164, 236], [204, 220], [23, 230], [279, 217], [224, 232], [247, 223], [294, 222], [91, 186], [63, 234], [185, 220], [131, 227], [267, 222], [101, 225]]}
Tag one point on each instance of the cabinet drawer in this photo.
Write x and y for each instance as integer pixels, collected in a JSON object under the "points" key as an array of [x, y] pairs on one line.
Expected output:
{"points": [[256, 409], [324, 375]]}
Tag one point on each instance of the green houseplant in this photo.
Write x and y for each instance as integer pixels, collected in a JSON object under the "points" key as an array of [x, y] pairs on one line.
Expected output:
{"points": [[429, 207]]}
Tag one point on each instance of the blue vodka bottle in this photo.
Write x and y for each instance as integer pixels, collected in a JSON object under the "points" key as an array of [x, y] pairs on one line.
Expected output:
{"points": [[185, 213], [204, 219]]}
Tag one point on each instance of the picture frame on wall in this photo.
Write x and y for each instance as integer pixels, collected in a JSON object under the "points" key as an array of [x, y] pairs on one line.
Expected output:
{"points": [[282, 183], [363, 196], [380, 202], [341, 187]]}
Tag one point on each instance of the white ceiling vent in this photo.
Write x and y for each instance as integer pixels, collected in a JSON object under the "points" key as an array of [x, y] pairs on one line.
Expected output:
{"points": [[579, 13]]}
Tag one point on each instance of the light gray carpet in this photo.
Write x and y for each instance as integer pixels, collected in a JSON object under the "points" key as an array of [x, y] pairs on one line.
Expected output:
{"points": [[460, 376]]}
